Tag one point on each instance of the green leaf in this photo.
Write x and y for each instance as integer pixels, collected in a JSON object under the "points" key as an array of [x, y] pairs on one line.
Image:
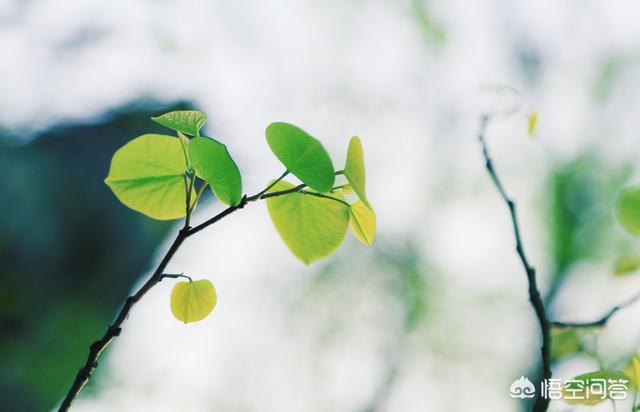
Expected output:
{"points": [[363, 222], [310, 226], [577, 387], [185, 121], [212, 163], [626, 264], [147, 175], [564, 342], [193, 301], [302, 155], [354, 169], [628, 209], [633, 371]]}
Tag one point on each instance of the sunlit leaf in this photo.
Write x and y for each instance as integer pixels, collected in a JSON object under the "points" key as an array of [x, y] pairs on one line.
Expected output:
{"points": [[533, 123], [582, 390], [310, 226], [354, 169], [628, 209], [633, 371], [185, 121], [147, 175], [212, 163], [302, 155], [363, 222], [193, 301], [626, 264]]}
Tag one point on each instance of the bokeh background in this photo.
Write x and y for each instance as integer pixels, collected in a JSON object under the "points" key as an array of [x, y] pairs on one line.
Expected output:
{"points": [[435, 316]]}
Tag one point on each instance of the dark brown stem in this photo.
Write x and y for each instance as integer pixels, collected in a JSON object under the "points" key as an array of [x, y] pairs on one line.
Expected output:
{"points": [[96, 348], [115, 328], [541, 403]]}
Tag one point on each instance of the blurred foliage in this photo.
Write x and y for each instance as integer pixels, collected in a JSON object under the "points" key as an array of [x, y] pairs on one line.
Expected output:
{"points": [[432, 30], [607, 74], [579, 200], [66, 264], [409, 282], [565, 342]]}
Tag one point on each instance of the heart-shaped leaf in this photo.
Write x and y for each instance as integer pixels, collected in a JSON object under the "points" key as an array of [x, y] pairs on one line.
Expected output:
{"points": [[302, 155], [312, 227], [212, 162], [185, 121], [193, 301], [354, 169], [147, 175], [363, 222], [628, 209]]}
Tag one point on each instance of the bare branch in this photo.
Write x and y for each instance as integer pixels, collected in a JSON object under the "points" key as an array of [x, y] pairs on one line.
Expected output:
{"points": [[601, 321], [541, 403]]}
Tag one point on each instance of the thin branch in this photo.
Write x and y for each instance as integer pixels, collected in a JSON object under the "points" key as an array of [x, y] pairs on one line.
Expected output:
{"points": [[116, 327], [226, 212], [541, 403], [84, 374], [281, 192], [174, 276], [258, 195], [601, 321]]}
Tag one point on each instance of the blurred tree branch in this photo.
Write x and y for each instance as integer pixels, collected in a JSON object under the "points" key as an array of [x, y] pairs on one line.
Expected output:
{"points": [[541, 403], [601, 321]]}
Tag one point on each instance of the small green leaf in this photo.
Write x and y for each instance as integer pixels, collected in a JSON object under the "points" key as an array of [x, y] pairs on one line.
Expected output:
{"points": [[363, 222], [628, 209], [147, 175], [633, 371], [193, 301], [564, 342], [626, 264], [354, 169], [576, 391], [533, 123], [212, 163], [185, 121], [310, 226], [302, 155]]}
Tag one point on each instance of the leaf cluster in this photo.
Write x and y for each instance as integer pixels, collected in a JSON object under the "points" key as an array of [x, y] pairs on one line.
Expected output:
{"points": [[164, 176]]}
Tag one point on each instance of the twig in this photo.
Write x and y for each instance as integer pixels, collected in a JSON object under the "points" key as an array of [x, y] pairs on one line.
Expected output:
{"points": [[601, 321], [84, 374], [541, 403], [174, 276]]}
